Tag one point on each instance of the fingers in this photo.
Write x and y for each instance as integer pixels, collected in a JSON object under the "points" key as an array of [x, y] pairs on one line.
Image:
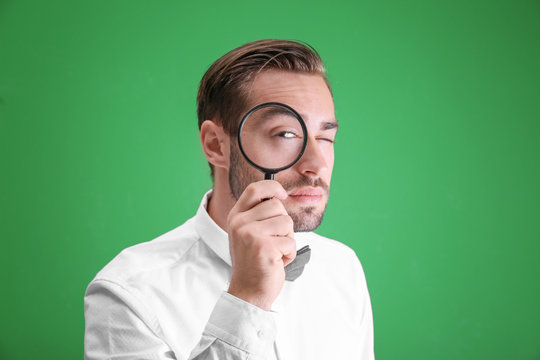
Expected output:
{"points": [[261, 242], [259, 201], [258, 191], [287, 248], [281, 225], [262, 211], [272, 250], [251, 232]]}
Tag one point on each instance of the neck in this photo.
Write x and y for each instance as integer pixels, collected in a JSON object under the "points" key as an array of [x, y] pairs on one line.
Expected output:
{"points": [[221, 201]]}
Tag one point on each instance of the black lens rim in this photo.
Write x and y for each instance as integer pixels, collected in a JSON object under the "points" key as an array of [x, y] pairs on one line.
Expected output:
{"points": [[270, 171]]}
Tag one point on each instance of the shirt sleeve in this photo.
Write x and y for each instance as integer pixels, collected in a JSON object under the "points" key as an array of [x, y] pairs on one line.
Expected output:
{"points": [[366, 344], [238, 327], [119, 326]]}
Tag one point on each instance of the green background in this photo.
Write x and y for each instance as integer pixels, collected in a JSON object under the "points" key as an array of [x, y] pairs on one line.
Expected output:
{"points": [[436, 181]]}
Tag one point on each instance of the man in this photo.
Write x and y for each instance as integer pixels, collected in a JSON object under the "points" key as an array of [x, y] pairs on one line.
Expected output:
{"points": [[215, 287]]}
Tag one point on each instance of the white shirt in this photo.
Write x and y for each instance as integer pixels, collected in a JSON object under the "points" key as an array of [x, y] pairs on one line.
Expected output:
{"points": [[167, 299]]}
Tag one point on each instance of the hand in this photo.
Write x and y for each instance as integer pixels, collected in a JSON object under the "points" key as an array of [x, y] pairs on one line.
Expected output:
{"points": [[261, 241]]}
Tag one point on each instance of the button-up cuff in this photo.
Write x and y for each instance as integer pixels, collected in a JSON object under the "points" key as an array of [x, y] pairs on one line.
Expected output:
{"points": [[242, 325]]}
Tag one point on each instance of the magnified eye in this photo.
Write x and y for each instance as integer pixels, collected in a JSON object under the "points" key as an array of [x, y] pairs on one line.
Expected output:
{"points": [[286, 134]]}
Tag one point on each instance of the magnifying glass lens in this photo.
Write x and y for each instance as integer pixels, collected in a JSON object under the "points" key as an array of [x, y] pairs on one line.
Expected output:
{"points": [[272, 137]]}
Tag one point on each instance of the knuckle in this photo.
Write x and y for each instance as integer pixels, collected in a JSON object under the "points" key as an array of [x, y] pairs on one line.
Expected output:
{"points": [[240, 219], [287, 220], [233, 223], [277, 205], [251, 190], [275, 184], [230, 221], [276, 261], [292, 244], [237, 221]]}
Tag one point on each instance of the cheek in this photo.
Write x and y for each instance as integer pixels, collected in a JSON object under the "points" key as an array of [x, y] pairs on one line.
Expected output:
{"points": [[330, 164], [329, 157]]}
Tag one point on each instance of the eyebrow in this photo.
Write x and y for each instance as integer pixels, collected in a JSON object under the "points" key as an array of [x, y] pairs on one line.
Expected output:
{"points": [[325, 125], [329, 125], [276, 110], [268, 113]]}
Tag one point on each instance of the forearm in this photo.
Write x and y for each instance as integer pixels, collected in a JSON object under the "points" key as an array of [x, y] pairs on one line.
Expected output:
{"points": [[118, 327]]}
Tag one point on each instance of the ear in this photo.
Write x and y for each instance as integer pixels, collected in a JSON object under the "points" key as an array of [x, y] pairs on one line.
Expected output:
{"points": [[215, 144]]}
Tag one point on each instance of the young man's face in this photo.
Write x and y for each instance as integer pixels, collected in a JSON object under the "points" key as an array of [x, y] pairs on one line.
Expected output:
{"points": [[308, 181]]}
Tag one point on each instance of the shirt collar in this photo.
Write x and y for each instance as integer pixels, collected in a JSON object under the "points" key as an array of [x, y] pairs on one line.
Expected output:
{"points": [[217, 239], [210, 232]]}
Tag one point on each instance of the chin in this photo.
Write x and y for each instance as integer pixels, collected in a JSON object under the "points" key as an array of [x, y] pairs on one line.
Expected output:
{"points": [[307, 218]]}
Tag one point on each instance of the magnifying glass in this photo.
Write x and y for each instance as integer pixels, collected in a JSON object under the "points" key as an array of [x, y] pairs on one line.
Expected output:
{"points": [[272, 137]]}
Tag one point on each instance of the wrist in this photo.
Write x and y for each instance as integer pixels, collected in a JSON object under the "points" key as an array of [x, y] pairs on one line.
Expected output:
{"points": [[253, 298]]}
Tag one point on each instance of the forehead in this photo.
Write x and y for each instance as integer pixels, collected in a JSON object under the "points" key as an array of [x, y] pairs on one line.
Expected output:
{"points": [[308, 94]]}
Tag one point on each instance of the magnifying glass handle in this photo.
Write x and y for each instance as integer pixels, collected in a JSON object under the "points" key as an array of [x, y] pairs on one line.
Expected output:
{"points": [[268, 176]]}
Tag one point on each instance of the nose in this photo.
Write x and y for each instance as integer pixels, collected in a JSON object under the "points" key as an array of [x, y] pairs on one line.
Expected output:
{"points": [[314, 162]]}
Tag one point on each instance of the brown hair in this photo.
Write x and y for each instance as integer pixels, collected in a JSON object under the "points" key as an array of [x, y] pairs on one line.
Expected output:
{"points": [[224, 88]]}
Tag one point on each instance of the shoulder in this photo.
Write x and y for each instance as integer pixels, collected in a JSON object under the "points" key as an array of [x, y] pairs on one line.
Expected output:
{"points": [[151, 256]]}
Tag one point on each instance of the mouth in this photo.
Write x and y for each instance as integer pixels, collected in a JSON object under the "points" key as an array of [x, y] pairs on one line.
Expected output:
{"points": [[307, 195]]}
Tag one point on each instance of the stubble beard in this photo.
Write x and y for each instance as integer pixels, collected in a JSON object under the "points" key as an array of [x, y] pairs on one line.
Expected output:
{"points": [[307, 218]]}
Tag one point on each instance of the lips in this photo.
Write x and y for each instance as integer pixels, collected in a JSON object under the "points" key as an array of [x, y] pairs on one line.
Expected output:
{"points": [[307, 194], [307, 191]]}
